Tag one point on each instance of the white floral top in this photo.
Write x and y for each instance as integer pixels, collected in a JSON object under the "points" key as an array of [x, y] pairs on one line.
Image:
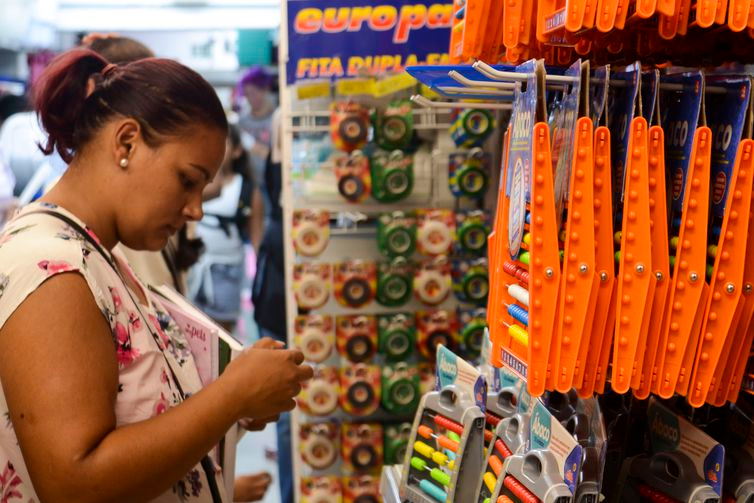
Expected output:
{"points": [[35, 246]]}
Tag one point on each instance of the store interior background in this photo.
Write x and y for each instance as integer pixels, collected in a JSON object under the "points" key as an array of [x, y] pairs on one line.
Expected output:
{"points": [[217, 38]]}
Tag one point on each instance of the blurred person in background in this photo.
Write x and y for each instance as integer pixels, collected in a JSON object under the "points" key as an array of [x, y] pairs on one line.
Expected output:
{"points": [[216, 279]]}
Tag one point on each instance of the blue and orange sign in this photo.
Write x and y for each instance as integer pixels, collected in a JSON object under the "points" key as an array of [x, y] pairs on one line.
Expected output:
{"points": [[340, 38]]}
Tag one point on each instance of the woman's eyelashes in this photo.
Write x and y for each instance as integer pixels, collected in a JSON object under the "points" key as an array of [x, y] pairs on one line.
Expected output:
{"points": [[188, 182]]}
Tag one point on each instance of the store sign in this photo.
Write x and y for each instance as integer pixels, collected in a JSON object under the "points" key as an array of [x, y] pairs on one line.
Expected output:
{"points": [[341, 38]]}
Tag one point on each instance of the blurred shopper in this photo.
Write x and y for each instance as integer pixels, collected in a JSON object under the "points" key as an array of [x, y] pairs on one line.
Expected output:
{"points": [[216, 279]]}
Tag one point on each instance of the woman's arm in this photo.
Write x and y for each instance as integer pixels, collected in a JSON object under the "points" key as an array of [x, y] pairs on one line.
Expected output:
{"points": [[60, 376], [256, 222]]}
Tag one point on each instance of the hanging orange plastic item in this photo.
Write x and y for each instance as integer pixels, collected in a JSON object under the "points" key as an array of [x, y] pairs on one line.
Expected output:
{"points": [[687, 286], [636, 282], [647, 352], [544, 266], [455, 51], [578, 287], [604, 262], [606, 12], [738, 14], [727, 280]]}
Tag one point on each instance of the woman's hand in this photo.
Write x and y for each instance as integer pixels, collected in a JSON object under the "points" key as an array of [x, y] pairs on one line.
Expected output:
{"points": [[257, 424]]}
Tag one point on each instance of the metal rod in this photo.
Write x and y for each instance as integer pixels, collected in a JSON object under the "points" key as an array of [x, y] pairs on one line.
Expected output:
{"points": [[490, 72], [452, 90], [424, 102], [480, 83]]}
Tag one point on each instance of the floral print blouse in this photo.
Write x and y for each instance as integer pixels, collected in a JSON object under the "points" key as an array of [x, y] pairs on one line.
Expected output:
{"points": [[35, 246]]}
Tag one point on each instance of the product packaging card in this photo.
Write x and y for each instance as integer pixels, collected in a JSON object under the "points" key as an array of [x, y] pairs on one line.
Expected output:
{"points": [[490, 372], [650, 86], [598, 84], [452, 369], [680, 116], [669, 432], [546, 433], [624, 91], [518, 188], [726, 114]]}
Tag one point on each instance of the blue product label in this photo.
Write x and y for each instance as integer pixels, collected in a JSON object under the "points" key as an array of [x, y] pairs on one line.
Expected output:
{"points": [[572, 468], [621, 104], [562, 140], [540, 427], [713, 468], [497, 383], [598, 84], [680, 115], [480, 393], [664, 428], [518, 187], [507, 378], [649, 87], [524, 400], [726, 113], [447, 367]]}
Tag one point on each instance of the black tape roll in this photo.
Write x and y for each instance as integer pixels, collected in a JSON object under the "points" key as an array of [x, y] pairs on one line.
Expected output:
{"points": [[359, 348], [360, 394], [438, 337], [351, 187], [473, 237], [473, 338], [356, 291], [397, 182], [353, 130], [363, 457], [397, 344]]}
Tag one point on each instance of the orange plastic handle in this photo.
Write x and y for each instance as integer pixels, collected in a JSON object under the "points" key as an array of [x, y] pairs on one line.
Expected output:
{"points": [[744, 333], [738, 14], [544, 266], [666, 7], [578, 287], [646, 353], [645, 9], [727, 280], [456, 35], [604, 261], [706, 11], [512, 21], [635, 278], [601, 376], [606, 12], [590, 14], [690, 265], [683, 17], [621, 14], [668, 25]]}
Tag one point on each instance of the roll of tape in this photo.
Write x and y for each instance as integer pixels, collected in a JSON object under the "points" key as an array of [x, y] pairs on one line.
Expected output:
{"points": [[394, 129], [360, 395], [397, 182], [473, 237], [315, 345], [402, 392], [363, 457], [394, 289], [476, 286], [400, 450], [353, 130], [310, 239], [312, 292], [359, 348], [322, 398], [432, 287], [319, 452], [473, 337], [435, 237], [399, 241], [436, 338], [351, 187], [320, 496], [356, 291], [366, 498], [472, 180], [397, 344]]}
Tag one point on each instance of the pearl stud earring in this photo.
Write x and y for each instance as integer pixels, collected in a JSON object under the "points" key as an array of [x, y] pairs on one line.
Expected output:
{"points": [[124, 163]]}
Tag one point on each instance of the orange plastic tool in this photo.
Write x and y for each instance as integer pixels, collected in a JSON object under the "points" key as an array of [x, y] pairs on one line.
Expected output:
{"points": [[738, 14], [668, 25], [721, 12], [456, 35], [727, 281], [745, 334], [688, 274], [621, 14], [683, 17], [606, 13], [602, 368], [636, 281], [660, 261], [544, 266], [604, 262], [578, 287], [497, 246], [705, 11], [513, 19], [687, 363]]}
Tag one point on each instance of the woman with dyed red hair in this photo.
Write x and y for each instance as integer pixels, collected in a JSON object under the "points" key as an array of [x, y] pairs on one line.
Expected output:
{"points": [[100, 390]]}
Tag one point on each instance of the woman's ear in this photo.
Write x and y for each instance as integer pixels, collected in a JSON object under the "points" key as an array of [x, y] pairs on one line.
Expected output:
{"points": [[127, 135]]}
